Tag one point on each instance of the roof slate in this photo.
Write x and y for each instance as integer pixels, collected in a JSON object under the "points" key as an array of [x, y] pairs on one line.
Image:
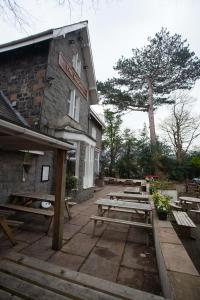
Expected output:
{"points": [[8, 113]]}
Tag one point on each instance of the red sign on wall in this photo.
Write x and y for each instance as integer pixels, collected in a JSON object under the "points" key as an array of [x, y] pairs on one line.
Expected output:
{"points": [[69, 71]]}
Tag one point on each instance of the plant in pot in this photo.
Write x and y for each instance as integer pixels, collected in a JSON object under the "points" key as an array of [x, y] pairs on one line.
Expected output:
{"points": [[162, 206]]}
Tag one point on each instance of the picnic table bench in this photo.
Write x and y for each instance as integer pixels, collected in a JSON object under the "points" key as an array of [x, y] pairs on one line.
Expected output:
{"points": [[182, 219], [123, 205], [43, 197], [122, 222], [27, 209]]}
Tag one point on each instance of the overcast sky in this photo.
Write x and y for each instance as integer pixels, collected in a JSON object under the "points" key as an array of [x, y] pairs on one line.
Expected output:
{"points": [[117, 26]]}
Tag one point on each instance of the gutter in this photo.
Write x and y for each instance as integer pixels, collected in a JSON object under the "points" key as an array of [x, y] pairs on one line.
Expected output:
{"points": [[34, 136]]}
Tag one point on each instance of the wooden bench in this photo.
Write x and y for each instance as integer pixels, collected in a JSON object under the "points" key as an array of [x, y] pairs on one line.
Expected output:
{"points": [[175, 206], [182, 219], [37, 211], [123, 210], [122, 222]]}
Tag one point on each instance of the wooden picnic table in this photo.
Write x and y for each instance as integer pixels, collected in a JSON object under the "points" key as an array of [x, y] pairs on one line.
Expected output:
{"points": [[42, 197], [133, 190], [129, 197], [189, 199], [129, 206]]}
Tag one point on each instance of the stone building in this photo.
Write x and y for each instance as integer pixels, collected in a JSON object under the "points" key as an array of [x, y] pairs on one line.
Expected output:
{"points": [[47, 81]]}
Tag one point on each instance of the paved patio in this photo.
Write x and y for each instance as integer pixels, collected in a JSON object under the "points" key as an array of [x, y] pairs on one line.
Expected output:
{"points": [[116, 253]]}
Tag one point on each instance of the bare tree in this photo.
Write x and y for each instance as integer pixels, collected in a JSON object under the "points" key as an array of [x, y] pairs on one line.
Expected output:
{"points": [[12, 11], [182, 127]]}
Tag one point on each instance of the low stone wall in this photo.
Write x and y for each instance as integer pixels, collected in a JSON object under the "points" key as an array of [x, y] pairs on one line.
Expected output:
{"points": [[179, 278]]}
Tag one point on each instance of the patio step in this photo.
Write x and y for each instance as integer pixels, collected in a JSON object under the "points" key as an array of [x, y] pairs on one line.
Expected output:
{"points": [[29, 278]]}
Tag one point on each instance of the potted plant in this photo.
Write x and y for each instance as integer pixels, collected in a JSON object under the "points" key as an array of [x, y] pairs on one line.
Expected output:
{"points": [[162, 206]]}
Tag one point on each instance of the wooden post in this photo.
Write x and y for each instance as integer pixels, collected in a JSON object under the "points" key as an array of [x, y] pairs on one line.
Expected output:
{"points": [[59, 200]]}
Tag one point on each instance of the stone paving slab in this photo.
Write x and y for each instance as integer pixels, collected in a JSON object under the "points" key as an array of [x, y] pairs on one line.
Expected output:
{"points": [[89, 211], [41, 249], [137, 235], [88, 228], [99, 266], [29, 236], [151, 283], [112, 244], [167, 235], [80, 244], [139, 257], [79, 220], [130, 277], [118, 227], [186, 286], [73, 262], [177, 259], [6, 246], [69, 230]]}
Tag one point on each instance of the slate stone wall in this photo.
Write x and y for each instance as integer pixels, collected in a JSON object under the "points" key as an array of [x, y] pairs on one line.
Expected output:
{"points": [[22, 79], [56, 95], [11, 171]]}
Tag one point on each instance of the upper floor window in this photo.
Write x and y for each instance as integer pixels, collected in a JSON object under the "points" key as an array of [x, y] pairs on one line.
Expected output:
{"points": [[94, 133], [73, 105], [76, 62]]}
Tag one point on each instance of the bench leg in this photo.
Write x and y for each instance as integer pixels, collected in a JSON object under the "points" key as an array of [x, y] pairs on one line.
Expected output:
{"points": [[50, 225], [68, 210], [7, 230], [93, 232]]}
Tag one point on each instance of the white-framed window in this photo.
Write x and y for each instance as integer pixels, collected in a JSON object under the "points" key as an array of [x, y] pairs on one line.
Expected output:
{"points": [[73, 160], [76, 62], [88, 179], [73, 105], [96, 163], [94, 133]]}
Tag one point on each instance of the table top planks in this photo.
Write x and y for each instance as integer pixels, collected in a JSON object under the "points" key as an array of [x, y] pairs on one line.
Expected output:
{"points": [[124, 204], [138, 197], [133, 190], [38, 196], [183, 219], [190, 199]]}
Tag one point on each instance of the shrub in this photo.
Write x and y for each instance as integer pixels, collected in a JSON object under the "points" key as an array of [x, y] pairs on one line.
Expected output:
{"points": [[161, 202]]}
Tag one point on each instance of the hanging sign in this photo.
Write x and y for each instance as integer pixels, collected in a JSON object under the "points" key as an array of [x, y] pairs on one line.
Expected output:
{"points": [[72, 75]]}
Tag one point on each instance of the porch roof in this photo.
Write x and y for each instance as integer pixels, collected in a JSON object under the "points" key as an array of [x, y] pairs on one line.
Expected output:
{"points": [[15, 137]]}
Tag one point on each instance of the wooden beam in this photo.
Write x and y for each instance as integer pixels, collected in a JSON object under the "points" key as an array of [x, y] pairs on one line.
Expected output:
{"points": [[59, 200]]}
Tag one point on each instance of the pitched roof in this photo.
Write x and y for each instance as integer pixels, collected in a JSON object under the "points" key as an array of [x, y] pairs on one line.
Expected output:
{"points": [[8, 113], [97, 118], [62, 31]]}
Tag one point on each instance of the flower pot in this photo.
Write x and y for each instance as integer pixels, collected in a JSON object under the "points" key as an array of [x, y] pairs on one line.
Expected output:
{"points": [[162, 215]]}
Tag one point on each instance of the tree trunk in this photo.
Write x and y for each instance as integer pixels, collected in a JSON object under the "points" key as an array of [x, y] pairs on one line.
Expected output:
{"points": [[151, 113]]}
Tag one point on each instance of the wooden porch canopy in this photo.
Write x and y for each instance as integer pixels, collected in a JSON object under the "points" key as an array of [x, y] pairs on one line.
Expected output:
{"points": [[14, 137]]}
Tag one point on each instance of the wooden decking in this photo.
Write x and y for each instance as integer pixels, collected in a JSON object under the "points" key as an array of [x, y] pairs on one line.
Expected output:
{"points": [[22, 277]]}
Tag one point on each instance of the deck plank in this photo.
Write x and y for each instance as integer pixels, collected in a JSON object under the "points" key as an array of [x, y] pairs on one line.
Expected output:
{"points": [[109, 288], [22, 288], [52, 283]]}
